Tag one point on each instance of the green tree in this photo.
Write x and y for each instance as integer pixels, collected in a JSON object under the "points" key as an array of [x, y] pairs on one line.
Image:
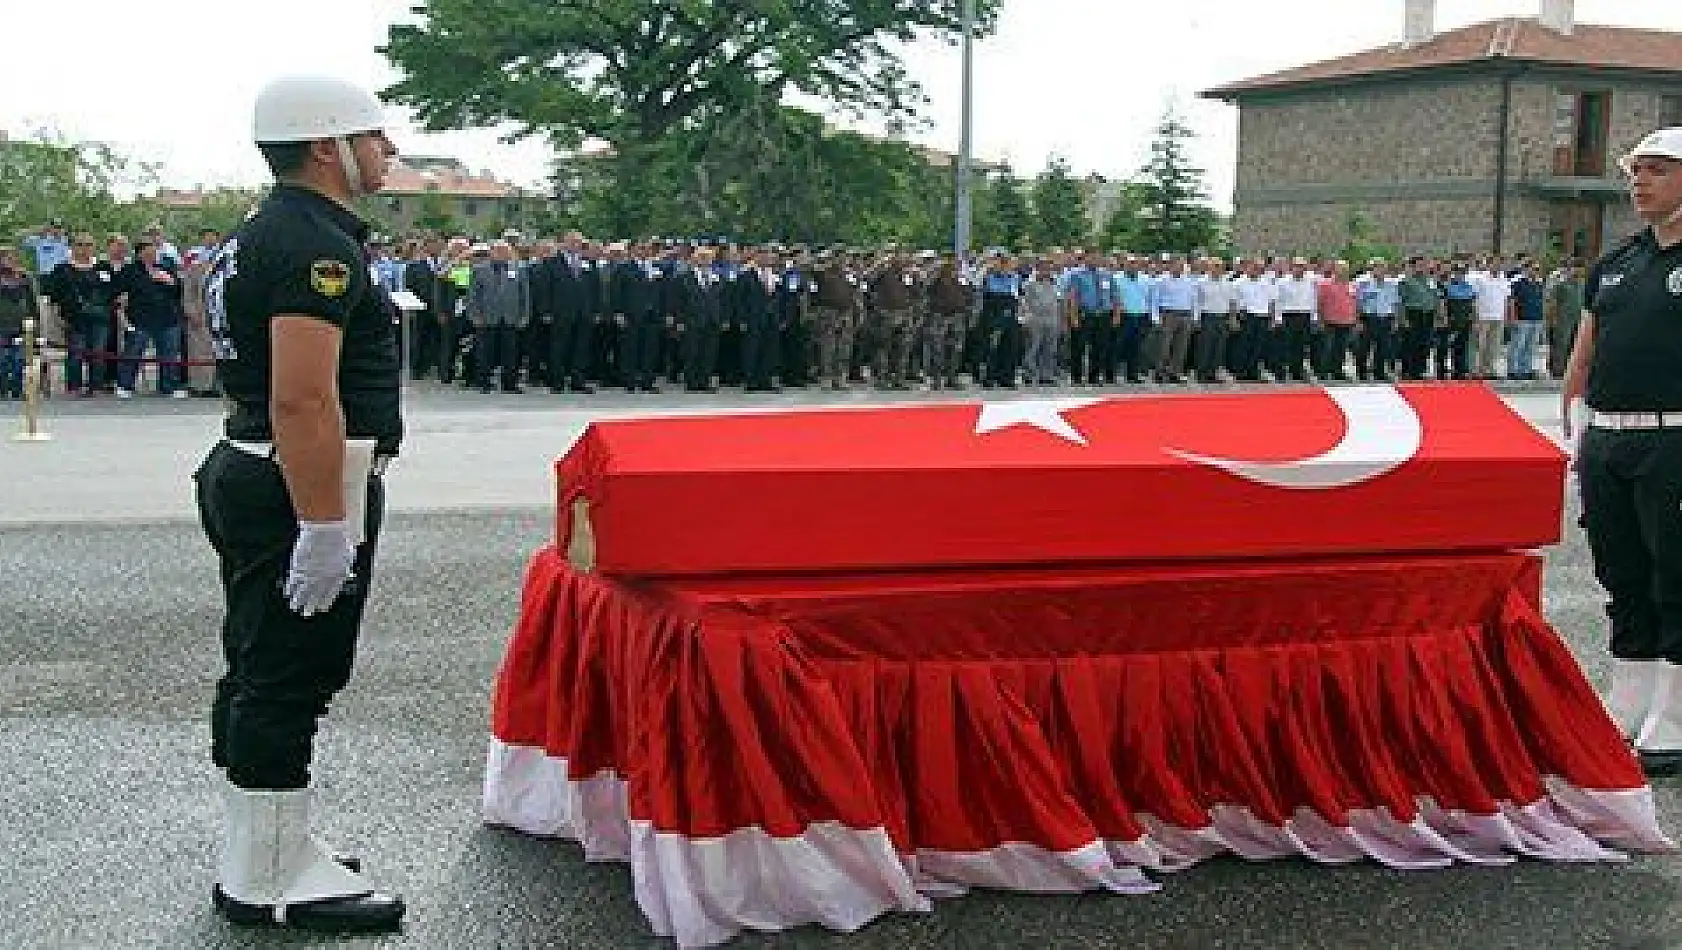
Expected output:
{"points": [[632, 72], [1126, 226], [1002, 215], [221, 210], [1361, 243], [1180, 219], [434, 215], [47, 177], [1059, 207]]}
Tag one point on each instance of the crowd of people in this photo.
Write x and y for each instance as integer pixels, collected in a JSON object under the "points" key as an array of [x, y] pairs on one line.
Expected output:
{"points": [[113, 308], [572, 315]]}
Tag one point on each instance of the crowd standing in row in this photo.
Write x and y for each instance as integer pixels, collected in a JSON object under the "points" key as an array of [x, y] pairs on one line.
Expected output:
{"points": [[572, 315], [139, 302]]}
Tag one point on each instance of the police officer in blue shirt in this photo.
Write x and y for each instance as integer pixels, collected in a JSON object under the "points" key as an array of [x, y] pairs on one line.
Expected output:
{"points": [[1001, 294], [1092, 298]]}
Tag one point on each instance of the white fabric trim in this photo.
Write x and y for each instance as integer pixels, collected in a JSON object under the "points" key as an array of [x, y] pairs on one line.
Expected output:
{"points": [[705, 891]]}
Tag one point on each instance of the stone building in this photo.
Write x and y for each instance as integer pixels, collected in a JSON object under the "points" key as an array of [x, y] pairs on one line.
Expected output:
{"points": [[1501, 136]]}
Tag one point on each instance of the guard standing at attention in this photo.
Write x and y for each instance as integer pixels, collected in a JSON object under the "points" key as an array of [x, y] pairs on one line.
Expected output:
{"points": [[291, 499], [1627, 367]]}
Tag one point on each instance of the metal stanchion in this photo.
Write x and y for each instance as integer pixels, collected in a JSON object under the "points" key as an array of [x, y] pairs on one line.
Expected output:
{"points": [[32, 431]]}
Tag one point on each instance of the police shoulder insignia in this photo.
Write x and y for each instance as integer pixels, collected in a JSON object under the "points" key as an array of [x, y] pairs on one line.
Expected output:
{"points": [[1673, 283], [330, 278]]}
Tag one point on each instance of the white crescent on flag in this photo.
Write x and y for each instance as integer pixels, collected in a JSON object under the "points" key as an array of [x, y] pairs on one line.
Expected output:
{"points": [[1382, 434]]}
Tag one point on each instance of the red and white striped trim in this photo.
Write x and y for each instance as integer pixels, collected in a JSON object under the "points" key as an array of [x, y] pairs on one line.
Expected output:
{"points": [[703, 892]]}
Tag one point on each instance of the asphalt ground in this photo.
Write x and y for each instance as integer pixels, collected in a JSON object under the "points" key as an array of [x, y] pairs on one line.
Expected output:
{"points": [[108, 650]]}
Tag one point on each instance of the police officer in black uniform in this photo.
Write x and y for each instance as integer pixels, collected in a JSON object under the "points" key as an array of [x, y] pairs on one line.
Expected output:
{"points": [[1626, 367], [291, 499]]}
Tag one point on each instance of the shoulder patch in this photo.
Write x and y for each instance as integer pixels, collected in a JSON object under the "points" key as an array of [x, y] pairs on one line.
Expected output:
{"points": [[1673, 283], [330, 278]]}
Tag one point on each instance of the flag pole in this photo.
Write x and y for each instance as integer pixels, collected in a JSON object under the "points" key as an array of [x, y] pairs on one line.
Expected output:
{"points": [[965, 212], [32, 380]]}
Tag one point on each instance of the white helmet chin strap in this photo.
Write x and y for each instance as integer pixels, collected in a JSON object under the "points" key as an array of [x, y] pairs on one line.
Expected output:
{"points": [[353, 171]]}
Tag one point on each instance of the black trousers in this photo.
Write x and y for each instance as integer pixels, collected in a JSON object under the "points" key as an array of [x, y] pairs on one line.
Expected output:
{"points": [[496, 351], [1375, 347], [569, 349], [760, 343], [282, 669], [1090, 348], [1129, 345], [639, 349], [1004, 339], [1252, 345], [1418, 332], [1631, 484], [1211, 344], [700, 352], [1452, 349], [1293, 357], [425, 338]]}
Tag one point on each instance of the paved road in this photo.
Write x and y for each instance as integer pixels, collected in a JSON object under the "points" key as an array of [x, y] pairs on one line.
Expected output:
{"points": [[107, 654]]}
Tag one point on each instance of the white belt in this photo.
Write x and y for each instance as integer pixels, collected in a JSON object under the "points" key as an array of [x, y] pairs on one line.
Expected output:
{"points": [[265, 450], [1636, 420]]}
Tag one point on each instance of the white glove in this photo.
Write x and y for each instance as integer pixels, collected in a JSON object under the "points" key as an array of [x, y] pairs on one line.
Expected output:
{"points": [[322, 559]]}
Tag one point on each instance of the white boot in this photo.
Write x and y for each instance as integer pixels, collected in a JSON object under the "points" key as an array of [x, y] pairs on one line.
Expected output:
{"points": [[1659, 742], [272, 870], [1634, 683]]}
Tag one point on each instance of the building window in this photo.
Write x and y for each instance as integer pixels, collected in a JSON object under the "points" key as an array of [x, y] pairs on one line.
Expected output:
{"points": [[1670, 111], [1582, 124], [470, 209]]}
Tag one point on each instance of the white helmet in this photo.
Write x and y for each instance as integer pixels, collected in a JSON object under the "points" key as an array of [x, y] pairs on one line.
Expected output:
{"points": [[1665, 143], [308, 108]]}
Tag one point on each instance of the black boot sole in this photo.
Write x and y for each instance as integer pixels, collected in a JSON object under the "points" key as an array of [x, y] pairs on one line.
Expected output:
{"points": [[376, 913], [1660, 764]]}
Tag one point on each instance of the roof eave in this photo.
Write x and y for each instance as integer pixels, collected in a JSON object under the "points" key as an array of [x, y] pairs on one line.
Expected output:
{"points": [[1234, 94]]}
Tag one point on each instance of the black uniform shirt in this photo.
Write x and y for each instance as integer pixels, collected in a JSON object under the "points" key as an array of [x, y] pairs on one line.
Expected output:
{"points": [[1635, 294], [302, 253]]}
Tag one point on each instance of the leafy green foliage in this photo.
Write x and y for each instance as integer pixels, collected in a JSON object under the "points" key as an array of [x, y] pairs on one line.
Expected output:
{"points": [[688, 93], [1126, 228], [634, 69], [1180, 219], [1002, 215], [1059, 218], [47, 177]]}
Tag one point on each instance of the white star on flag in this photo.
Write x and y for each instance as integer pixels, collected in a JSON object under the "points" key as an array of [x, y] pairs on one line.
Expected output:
{"points": [[1043, 414]]}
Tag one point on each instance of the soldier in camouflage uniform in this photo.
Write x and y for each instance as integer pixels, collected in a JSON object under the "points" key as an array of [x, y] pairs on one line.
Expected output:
{"points": [[894, 292], [948, 304], [835, 321]]}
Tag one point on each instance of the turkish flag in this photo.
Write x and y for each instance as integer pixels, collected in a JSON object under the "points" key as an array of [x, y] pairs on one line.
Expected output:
{"points": [[1285, 474]]}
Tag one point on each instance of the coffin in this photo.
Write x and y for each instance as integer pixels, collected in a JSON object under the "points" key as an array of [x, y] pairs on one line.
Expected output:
{"points": [[1298, 473]]}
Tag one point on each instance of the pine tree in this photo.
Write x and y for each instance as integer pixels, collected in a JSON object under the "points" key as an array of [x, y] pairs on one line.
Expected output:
{"points": [[1004, 216], [1059, 218], [1179, 217]]}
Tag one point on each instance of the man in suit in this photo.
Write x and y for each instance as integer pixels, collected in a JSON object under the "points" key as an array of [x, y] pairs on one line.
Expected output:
{"points": [[700, 314], [499, 307], [758, 290], [570, 288]]}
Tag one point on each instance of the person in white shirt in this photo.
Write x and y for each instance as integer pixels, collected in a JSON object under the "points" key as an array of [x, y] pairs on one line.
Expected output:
{"points": [[1217, 307], [1257, 310], [1495, 305], [1299, 307]]}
